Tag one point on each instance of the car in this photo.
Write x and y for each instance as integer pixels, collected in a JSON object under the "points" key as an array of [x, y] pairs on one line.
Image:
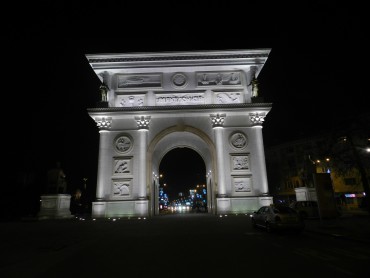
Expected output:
{"points": [[277, 218], [306, 209]]}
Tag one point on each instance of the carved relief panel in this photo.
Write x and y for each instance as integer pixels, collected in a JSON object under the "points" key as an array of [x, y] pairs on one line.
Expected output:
{"points": [[130, 100], [242, 184], [228, 97], [238, 140], [121, 188], [123, 144], [219, 79], [122, 166], [138, 81], [240, 163], [189, 98]]}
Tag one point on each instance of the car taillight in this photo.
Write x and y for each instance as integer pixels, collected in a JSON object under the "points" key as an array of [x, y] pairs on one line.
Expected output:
{"points": [[277, 219]]}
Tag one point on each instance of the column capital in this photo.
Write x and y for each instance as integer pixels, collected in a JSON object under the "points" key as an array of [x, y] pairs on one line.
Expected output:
{"points": [[217, 119], [257, 118], [103, 123], [142, 122]]}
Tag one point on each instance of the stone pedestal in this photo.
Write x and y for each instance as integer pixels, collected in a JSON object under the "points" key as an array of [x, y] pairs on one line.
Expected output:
{"points": [[55, 206]]}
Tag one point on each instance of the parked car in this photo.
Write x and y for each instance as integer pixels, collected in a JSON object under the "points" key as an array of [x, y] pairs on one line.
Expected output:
{"points": [[306, 209], [277, 217]]}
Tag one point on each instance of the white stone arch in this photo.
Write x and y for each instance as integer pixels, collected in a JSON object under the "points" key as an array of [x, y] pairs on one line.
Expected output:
{"points": [[198, 99], [177, 137]]}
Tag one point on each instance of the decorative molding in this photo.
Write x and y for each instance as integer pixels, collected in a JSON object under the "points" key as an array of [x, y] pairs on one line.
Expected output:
{"points": [[103, 123], [257, 118], [142, 122], [217, 120], [210, 55], [180, 107]]}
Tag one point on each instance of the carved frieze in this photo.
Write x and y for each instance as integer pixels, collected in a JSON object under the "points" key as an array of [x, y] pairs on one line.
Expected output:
{"points": [[179, 99], [130, 81], [218, 79]]}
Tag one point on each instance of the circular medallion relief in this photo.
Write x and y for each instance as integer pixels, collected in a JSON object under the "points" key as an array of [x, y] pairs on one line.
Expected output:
{"points": [[179, 80], [123, 144], [238, 140]]}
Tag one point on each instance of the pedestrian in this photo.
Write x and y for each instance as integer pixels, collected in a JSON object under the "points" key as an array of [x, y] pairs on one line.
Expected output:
{"points": [[77, 204]]}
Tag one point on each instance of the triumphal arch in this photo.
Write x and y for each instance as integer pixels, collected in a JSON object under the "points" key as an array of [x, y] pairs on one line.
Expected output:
{"points": [[152, 103]]}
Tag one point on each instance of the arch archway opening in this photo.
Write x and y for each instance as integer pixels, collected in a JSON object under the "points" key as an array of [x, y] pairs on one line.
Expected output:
{"points": [[182, 183]]}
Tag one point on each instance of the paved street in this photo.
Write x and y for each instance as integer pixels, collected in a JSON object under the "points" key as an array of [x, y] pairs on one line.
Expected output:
{"points": [[180, 246]]}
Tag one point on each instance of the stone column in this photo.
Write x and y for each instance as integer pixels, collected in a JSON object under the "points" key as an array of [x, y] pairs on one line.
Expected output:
{"points": [[143, 127], [104, 124], [257, 120], [217, 124]]}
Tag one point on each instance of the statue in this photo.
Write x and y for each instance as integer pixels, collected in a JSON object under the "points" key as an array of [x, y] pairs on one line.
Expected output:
{"points": [[56, 182], [254, 84], [103, 91]]}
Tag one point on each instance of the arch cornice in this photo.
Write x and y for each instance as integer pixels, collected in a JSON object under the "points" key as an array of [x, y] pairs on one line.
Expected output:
{"points": [[211, 57], [182, 107]]}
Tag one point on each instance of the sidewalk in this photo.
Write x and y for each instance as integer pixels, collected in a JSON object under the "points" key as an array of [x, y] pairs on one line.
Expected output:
{"points": [[352, 225]]}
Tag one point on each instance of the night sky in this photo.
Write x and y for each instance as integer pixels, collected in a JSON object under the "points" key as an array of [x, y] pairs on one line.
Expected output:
{"points": [[314, 76]]}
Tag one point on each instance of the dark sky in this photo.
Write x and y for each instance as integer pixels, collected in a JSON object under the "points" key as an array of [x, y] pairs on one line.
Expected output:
{"points": [[314, 76], [182, 169]]}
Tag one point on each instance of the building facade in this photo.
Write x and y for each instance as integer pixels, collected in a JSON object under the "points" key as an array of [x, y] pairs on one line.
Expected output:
{"points": [[289, 166], [152, 103]]}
